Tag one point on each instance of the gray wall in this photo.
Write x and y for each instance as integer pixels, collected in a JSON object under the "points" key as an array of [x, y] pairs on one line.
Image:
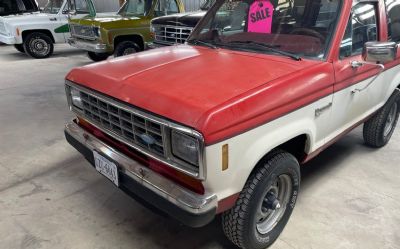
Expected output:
{"points": [[101, 5], [113, 5], [191, 5]]}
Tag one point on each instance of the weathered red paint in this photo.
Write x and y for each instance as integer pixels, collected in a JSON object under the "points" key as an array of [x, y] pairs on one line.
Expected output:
{"points": [[223, 92]]}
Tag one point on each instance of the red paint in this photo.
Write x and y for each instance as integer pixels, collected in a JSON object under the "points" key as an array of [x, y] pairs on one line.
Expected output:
{"points": [[163, 169], [223, 92], [227, 203]]}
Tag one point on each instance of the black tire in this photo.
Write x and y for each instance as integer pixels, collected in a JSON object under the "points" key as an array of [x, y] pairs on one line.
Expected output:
{"points": [[20, 48], [379, 129], [125, 48], [38, 45], [97, 56], [242, 223]]}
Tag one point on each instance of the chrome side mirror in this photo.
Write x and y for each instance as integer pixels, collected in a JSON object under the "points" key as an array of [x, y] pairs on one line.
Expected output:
{"points": [[379, 52]]}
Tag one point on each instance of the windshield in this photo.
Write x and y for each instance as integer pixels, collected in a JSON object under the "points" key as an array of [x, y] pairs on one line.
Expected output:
{"points": [[136, 7], [207, 4], [53, 6], [11, 6], [295, 27]]}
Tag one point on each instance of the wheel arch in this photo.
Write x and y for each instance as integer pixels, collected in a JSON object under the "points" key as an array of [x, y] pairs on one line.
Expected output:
{"points": [[137, 38], [25, 33]]}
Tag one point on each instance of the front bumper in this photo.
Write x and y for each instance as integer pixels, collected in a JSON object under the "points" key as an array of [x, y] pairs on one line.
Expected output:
{"points": [[144, 184], [7, 39], [92, 46]]}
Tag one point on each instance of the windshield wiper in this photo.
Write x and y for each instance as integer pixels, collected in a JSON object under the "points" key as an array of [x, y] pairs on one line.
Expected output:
{"points": [[204, 43], [267, 47]]}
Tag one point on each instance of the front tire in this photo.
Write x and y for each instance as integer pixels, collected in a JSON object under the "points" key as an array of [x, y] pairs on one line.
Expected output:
{"points": [[379, 129], [20, 48], [98, 56], [38, 45], [265, 204], [126, 48]]}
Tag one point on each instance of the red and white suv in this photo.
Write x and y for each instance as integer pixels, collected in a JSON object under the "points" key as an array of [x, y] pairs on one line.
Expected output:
{"points": [[221, 124]]}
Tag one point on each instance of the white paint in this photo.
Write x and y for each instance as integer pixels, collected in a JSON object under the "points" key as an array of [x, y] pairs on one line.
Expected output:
{"points": [[245, 150], [32, 21]]}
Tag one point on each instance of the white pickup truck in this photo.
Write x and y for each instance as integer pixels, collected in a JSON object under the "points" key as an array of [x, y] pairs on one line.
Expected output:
{"points": [[36, 33]]}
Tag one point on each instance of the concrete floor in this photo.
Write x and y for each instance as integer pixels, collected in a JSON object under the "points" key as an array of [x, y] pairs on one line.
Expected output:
{"points": [[51, 198]]}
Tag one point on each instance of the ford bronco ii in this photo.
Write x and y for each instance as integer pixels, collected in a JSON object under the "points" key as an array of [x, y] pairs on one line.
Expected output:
{"points": [[221, 125], [123, 33]]}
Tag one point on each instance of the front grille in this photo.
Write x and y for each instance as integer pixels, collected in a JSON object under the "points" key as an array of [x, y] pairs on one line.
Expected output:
{"points": [[84, 32], [132, 127], [2, 28], [171, 34]]}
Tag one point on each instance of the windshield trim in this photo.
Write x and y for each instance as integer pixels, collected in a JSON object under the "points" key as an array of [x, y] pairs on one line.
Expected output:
{"points": [[330, 38]]}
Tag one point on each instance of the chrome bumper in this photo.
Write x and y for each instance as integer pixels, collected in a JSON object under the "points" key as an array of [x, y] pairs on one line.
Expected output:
{"points": [[184, 199], [92, 46]]}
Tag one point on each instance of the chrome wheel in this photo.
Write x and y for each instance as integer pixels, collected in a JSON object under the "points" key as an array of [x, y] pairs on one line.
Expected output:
{"points": [[391, 119], [274, 203], [39, 47]]}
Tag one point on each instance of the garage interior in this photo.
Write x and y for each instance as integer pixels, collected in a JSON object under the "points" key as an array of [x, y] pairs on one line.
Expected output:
{"points": [[51, 197]]}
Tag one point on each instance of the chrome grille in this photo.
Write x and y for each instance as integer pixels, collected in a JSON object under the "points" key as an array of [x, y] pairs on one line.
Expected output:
{"points": [[171, 34], [2, 28], [132, 127], [84, 32]]}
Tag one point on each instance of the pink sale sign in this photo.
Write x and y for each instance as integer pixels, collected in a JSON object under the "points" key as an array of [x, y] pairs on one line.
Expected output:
{"points": [[260, 16]]}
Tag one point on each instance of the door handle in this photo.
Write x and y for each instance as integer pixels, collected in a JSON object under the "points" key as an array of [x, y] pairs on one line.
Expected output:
{"points": [[53, 19], [357, 64]]}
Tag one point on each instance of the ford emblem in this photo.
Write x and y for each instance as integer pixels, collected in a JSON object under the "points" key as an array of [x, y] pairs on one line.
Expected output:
{"points": [[149, 140]]}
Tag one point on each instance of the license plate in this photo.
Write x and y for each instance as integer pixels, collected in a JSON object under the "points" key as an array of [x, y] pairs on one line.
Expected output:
{"points": [[106, 167]]}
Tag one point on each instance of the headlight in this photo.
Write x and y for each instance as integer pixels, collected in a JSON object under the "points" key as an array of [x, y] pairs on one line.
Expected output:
{"points": [[185, 147], [97, 31], [76, 98]]}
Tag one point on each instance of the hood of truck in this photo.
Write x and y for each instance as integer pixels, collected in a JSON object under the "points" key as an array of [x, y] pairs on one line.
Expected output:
{"points": [[26, 18], [103, 18], [186, 84], [189, 19]]}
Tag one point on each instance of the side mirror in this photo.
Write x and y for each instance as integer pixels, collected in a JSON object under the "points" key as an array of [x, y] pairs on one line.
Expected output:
{"points": [[379, 52]]}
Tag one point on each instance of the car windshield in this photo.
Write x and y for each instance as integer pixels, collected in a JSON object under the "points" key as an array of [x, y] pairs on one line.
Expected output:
{"points": [[136, 7], [207, 4], [53, 6], [296, 28], [11, 6]]}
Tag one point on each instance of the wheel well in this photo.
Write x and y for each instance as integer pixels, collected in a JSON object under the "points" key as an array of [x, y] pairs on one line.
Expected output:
{"points": [[296, 146], [44, 31], [135, 38]]}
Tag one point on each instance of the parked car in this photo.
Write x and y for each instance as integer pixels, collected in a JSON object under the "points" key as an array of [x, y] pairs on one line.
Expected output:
{"points": [[36, 33], [221, 124], [123, 33], [175, 29], [15, 7]]}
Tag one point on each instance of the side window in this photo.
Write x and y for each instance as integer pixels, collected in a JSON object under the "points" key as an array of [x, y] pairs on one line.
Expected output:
{"points": [[166, 7], [81, 6], [362, 28], [393, 11]]}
